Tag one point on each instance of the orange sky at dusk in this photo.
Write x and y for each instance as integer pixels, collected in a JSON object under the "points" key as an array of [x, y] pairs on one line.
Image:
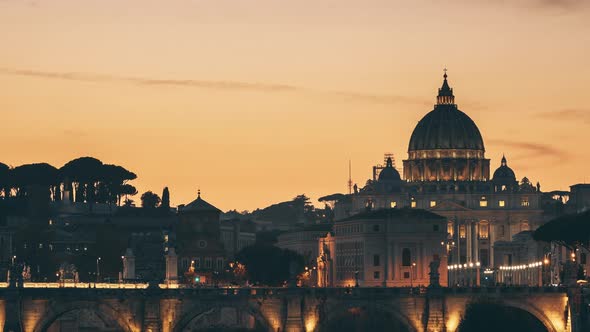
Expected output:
{"points": [[258, 101]]}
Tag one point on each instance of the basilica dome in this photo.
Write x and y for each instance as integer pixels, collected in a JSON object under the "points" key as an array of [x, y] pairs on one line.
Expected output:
{"points": [[504, 172], [446, 145], [446, 127], [389, 173]]}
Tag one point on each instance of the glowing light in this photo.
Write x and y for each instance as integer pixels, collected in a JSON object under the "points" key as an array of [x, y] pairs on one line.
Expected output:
{"points": [[310, 322]]}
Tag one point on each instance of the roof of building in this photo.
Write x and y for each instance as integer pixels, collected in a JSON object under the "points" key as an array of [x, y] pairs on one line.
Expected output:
{"points": [[199, 205], [446, 127], [394, 213]]}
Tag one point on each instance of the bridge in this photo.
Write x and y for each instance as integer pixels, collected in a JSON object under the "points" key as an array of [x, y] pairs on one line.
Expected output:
{"points": [[268, 309]]}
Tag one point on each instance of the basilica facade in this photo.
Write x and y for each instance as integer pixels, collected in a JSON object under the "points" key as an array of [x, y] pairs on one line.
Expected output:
{"points": [[447, 173]]}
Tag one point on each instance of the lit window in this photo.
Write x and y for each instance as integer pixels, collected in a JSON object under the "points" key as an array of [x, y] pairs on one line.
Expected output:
{"points": [[413, 204], [432, 203], [393, 204], [503, 188], [484, 230], [462, 231], [50, 222], [501, 203], [483, 203], [524, 201], [450, 228]]}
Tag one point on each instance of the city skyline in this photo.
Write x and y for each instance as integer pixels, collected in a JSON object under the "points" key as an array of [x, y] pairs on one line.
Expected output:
{"points": [[251, 126]]}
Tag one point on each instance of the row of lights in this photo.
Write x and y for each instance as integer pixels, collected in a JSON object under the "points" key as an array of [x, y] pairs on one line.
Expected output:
{"points": [[521, 267], [464, 266]]}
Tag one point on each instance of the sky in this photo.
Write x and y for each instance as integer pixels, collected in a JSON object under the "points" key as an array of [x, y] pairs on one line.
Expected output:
{"points": [[257, 101]]}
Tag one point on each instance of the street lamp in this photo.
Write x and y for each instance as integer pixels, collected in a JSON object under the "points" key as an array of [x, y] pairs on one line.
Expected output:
{"points": [[98, 269], [412, 275]]}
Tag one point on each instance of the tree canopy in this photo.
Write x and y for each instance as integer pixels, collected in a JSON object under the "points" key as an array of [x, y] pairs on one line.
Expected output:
{"points": [[269, 265], [570, 230], [150, 200]]}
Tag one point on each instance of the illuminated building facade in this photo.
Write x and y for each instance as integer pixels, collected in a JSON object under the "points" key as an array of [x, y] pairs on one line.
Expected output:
{"points": [[447, 173], [385, 248]]}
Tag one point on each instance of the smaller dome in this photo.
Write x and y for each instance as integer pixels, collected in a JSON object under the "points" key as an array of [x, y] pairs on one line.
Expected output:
{"points": [[389, 173], [504, 172]]}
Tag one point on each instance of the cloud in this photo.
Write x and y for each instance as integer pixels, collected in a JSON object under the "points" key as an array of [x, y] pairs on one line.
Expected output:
{"points": [[217, 85], [575, 115], [528, 150]]}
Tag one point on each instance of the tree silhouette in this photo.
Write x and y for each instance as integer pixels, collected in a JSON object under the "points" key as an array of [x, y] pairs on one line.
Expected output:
{"points": [[270, 265], [82, 173], [165, 200], [5, 180], [34, 184], [112, 180], [149, 200], [127, 190]]}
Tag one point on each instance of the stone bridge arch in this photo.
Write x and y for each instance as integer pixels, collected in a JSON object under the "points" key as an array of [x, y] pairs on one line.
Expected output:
{"points": [[201, 310], [104, 311], [342, 310], [508, 303]]}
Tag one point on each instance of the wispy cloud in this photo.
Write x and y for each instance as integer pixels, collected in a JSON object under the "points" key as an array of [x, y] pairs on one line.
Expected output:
{"points": [[529, 150], [217, 85], [575, 115]]}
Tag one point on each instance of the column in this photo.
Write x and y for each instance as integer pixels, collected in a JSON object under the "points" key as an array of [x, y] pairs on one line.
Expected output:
{"points": [[475, 242], [386, 267], [468, 242], [393, 262], [492, 239]]}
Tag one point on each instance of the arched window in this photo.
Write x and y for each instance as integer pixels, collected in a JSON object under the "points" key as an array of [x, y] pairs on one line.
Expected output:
{"points": [[406, 257], [484, 229]]}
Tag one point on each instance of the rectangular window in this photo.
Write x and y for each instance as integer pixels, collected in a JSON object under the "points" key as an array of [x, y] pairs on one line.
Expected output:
{"points": [[376, 275], [376, 260], [413, 204], [462, 231], [220, 263], [435, 228], [207, 263], [524, 201], [432, 203], [501, 203], [406, 275], [450, 229], [393, 204], [375, 228], [483, 203], [501, 230]]}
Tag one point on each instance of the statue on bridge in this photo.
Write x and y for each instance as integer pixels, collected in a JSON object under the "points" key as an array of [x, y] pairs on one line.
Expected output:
{"points": [[434, 274]]}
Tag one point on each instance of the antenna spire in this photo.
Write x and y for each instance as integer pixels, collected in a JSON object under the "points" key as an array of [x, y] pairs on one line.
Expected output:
{"points": [[349, 177]]}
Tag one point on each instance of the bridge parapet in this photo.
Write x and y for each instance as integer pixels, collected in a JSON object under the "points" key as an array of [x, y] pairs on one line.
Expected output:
{"points": [[274, 309]]}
